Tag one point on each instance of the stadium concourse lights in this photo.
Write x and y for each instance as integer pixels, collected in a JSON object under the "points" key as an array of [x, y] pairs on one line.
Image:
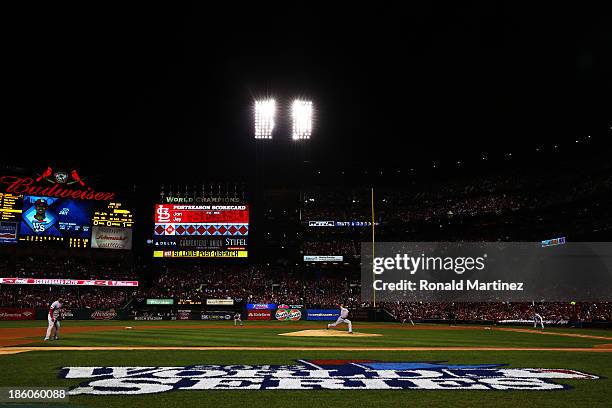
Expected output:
{"points": [[301, 115], [265, 112]]}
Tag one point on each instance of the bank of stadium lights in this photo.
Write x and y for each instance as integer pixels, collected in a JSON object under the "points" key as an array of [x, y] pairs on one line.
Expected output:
{"points": [[301, 116], [265, 113]]}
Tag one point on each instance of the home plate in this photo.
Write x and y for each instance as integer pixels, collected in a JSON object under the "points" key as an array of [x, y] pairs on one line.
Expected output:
{"points": [[327, 333]]}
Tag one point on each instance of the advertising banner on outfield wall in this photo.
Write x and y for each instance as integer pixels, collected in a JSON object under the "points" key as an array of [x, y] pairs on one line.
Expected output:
{"points": [[259, 315], [85, 314], [105, 314], [261, 306], [149, 317], [322, 314], [362, 314], [13, 313], [287, 313], [220, 302], [216, 315], [111, 238], [183, 314], [486, 272]]}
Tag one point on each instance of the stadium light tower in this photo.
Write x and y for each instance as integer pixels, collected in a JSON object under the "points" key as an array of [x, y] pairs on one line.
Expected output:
{"points": [[265, 112], [301, 113]]}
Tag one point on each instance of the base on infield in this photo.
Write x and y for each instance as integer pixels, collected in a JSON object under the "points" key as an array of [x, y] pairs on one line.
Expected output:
{"points": [[327, 333]]}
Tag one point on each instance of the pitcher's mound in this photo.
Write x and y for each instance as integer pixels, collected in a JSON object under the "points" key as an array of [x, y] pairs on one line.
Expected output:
{"points": [[327, 333]]}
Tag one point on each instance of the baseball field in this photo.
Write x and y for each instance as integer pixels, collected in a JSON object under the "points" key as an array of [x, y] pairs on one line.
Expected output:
{"points": [[278, 364]]}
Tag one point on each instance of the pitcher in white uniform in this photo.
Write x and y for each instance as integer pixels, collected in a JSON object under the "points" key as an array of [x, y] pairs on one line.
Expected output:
{"points": [[54, 317], [537, 318], [344, 312]]}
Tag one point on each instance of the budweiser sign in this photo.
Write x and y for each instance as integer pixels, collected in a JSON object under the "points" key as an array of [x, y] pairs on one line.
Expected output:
{"points": [[31, 186], [67, 282], [104, 314]]}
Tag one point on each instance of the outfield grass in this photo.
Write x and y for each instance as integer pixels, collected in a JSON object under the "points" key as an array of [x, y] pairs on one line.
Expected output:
{"points": [[393, 335], [41, 368]]}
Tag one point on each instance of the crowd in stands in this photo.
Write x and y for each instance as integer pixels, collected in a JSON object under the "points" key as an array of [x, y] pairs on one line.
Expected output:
{"points": [[31, 296], [68, 268], [297, 285], [497, 207], [251, 284], [494, 195], [498, 311]]}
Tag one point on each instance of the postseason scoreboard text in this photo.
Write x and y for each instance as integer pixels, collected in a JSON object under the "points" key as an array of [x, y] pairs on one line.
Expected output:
{"points": [[201, 231]]}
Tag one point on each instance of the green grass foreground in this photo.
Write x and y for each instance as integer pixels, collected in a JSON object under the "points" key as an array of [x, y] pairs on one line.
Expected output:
{"points": [[41, 368]]}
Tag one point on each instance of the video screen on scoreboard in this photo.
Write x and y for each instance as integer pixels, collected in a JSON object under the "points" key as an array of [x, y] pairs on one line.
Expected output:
{"points": [[201, 231], [55, 217]]}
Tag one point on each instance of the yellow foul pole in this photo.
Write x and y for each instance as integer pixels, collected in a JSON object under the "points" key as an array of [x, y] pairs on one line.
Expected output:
{"points": [[373, 291]]}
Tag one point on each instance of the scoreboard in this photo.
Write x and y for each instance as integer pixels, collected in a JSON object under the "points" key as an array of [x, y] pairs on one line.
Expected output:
{"points": [[10, 207], [75, 223], [201, 231], [113, 216], [10, 215]]}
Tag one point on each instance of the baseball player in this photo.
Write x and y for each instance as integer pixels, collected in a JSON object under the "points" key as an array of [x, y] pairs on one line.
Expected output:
{"points": [[54, 317], [537, 318], [237, 319], [408, 316], [344, 312]]}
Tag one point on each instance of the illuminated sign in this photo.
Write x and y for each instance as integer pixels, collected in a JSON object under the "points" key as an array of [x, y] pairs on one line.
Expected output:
{"points": [[10, 207], [187, 200], [66, 282], [321, 223], [10, 215], [160, 301], [220, 302], [200, 254], [201, 231], [189, 302], [553, 242], [323, 258], [54, 184], [113, 216], [340, 223]]}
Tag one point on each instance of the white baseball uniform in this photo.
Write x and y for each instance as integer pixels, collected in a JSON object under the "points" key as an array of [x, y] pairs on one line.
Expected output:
{"points": [[343, 319], [536, 318], [53, 318], [237, 319]]}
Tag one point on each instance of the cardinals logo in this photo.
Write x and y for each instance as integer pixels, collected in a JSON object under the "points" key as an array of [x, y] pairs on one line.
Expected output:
{"points": [[61, 177]]}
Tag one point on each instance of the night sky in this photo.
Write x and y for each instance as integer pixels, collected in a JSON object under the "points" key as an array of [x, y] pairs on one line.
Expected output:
{"points": [[166, 91]]}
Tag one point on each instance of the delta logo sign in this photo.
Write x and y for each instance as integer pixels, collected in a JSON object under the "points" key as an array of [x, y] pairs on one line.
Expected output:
{"points": [[318, 375]]}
